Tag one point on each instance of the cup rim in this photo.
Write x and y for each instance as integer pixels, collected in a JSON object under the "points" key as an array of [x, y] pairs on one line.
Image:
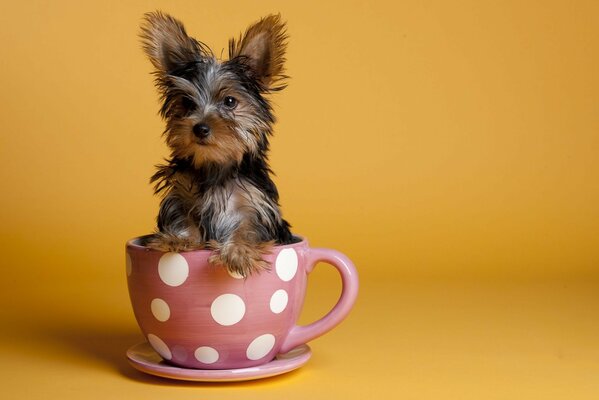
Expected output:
{"points": [[134, 243]]}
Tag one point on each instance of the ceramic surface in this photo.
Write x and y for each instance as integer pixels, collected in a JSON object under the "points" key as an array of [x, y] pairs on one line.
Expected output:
{"points": [[145, 359], [199, 316]]}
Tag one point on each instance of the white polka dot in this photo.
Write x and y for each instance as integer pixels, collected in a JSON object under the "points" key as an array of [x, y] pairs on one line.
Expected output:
{"points": [[206, 355], [160, 347], [278, 301], [286, 264], [235, 275], [227, 309], [128, 265], [173, 269], [160, 310], [260, 346]]}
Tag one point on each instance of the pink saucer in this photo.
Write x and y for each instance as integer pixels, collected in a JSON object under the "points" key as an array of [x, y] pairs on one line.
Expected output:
{"points": [[144, 358]]}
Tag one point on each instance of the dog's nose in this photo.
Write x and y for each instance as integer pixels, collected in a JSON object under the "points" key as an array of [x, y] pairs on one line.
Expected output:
{"points": [[201, 130]]}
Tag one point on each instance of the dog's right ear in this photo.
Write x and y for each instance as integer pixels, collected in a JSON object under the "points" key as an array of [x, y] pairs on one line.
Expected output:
{"points": [[167, 44]]}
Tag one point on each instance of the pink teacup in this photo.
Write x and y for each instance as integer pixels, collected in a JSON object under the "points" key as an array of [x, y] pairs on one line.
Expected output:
{"points": [[196, 315]]}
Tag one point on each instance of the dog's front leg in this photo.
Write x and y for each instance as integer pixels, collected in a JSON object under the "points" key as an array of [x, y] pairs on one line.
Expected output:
{"points": [[242, 253], [177, 230], [241, 230]]}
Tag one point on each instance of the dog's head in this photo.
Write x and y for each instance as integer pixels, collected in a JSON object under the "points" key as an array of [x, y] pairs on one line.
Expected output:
{"points": [[216, 111]]}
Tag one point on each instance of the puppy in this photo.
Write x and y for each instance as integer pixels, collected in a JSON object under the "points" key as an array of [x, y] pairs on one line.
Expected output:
{"points": [[216, 185]]}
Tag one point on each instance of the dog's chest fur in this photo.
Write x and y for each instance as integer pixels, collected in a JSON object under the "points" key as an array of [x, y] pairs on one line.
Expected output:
{"points": [[237, 204], [216, 206]]}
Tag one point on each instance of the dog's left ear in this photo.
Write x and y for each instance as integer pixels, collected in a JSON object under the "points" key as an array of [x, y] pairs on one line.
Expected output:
{"points": [[262, 47]]}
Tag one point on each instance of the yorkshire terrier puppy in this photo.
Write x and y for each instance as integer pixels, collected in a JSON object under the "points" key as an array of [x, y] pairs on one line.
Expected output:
{"points": [[218, 193]]}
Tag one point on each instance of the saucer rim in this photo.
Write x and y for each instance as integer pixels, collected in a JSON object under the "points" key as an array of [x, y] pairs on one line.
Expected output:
{"points": [[277, 366]]}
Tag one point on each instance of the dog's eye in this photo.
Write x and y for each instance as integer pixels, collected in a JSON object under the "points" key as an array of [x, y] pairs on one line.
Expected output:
{"points": [[188, 104], [230, 102]]}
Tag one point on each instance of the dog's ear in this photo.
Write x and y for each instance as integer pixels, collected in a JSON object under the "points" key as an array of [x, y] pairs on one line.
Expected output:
{"points": [[166, 43], [262, 47]]}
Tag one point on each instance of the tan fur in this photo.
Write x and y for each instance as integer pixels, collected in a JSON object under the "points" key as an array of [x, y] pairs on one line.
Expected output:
{"points": [[167, 242], [223, 146], [264, 44], [243, 252], [163, 35], [240, 255], [252, 201]]}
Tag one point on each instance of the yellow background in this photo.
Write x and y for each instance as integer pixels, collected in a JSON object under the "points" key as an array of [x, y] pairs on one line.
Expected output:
{"points": [[448, 148]]}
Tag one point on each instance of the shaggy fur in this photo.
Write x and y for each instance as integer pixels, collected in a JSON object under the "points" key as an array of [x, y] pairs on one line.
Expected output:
{"points": [[216, 185]]}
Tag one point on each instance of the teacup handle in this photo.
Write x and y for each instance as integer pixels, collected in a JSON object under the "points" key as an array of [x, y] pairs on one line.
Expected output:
{"points": [[349, 277]]}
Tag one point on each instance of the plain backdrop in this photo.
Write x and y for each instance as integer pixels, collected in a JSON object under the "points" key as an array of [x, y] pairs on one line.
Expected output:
{"points": [[427, 140], [459, 138]]}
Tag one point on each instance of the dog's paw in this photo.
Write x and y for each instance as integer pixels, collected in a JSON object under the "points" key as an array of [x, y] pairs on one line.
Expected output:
{"points": [[243, 259], [167, 242]]}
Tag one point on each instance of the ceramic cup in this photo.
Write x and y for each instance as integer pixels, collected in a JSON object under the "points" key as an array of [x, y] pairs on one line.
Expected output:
{"points": [[197, 315]]}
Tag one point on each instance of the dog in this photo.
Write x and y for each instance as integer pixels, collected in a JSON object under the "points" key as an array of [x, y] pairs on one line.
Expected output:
{"points": [[216, 185]]}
